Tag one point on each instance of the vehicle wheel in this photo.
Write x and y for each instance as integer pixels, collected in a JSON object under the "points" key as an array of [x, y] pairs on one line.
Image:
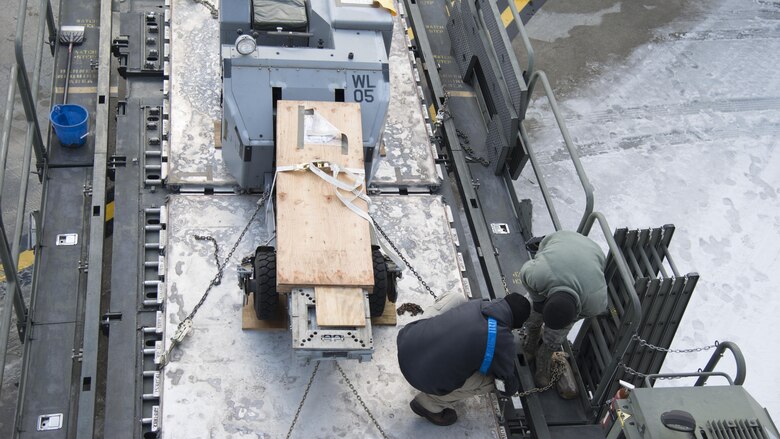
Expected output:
{"points": [[376, 300], [392, 287], [266, 296]]}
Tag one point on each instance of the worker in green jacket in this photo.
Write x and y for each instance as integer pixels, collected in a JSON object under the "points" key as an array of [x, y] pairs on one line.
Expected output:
{"points": [[565, 281]]}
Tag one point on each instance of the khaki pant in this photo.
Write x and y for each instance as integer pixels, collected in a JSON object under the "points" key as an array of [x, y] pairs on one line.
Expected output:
{"points": [[476, 384]]}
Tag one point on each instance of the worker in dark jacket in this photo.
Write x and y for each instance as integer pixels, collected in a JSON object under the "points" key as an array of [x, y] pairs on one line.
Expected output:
{"points": [[459, 350], [566, 283]]}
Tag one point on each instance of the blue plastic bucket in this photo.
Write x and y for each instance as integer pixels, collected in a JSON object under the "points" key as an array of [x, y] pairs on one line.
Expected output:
{"points": [[71, 123]]}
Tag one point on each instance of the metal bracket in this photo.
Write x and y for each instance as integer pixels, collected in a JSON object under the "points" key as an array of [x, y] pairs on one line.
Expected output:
{"points": [[139, 47], [52, 421], [67, 239]]}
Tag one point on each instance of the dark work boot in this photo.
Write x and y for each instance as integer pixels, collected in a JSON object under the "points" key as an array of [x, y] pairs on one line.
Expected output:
{"points": [[533, 335], [443, 418], [543, 359]]}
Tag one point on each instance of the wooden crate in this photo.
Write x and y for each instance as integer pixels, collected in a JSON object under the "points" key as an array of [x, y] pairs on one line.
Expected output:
{"points": [[320, 242]]}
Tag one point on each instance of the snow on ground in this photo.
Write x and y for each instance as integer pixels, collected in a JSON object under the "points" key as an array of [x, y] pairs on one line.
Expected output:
{"points": [[686, 132]]}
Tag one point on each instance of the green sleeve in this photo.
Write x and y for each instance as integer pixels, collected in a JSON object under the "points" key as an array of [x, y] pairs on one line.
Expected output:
{"points": [[530, 277]]}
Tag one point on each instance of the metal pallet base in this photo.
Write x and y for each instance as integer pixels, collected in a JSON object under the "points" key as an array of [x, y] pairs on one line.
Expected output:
{"points": [[311, 341]]}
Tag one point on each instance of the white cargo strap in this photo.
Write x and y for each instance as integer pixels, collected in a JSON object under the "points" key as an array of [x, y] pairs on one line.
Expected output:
{"points": [[356, 187]]}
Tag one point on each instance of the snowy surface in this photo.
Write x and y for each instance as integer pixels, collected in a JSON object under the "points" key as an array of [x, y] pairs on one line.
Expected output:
{"points": [[225, 382], [686, 132]]}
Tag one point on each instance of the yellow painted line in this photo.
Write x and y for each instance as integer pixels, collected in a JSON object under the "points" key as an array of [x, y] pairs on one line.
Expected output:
{"points": [[461, 94], [432, 112], [83, 90], [410, 32], [447, 8], [26, 259], [507, 16], [109, 211]]}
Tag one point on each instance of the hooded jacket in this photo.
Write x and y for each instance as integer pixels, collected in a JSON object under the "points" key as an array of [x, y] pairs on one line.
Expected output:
{"points": [[438, 354], [572, 263]]}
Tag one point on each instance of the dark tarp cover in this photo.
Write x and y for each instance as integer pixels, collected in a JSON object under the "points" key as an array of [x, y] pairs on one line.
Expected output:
{"points": [[269, 15]]}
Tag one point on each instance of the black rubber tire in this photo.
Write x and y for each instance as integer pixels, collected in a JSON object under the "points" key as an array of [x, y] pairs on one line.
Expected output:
{"points": [[392, 290], [376, 300], [266, 296]]}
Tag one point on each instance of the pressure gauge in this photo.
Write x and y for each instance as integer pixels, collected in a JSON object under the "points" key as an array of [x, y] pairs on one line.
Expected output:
{"points": [[245, 44]]}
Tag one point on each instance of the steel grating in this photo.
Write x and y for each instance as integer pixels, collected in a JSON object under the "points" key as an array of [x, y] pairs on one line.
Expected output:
{"points": [[476, 62], [663, 299], [502, 47]]}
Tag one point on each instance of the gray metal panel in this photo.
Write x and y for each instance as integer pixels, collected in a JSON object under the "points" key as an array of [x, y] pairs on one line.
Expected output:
{"points": [[233, 15], [60, 276], [140, 46], [497, 148], [709, 403], [122, 401], [89, 378], [485, 195], [505, 57], [461, 47], [577, 431], [56, 305], [489, 72], [49, 390]]}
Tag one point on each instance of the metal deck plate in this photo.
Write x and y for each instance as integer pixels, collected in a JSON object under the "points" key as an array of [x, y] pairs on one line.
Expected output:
{"points": [[410, 156], [194, 98], [57, 304], [223, 381], [194, 107]]}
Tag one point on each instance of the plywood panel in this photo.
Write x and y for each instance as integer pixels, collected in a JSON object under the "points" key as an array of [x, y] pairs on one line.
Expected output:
{"points": [[320, 242], [340, 306]]}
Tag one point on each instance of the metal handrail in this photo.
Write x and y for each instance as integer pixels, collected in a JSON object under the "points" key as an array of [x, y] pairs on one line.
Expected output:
{"points": [[9, 251], [717, 355], [702, 376], [539, 178], [13, 292], [25, 89], [632, 316], [526, 41], [575, 158]]}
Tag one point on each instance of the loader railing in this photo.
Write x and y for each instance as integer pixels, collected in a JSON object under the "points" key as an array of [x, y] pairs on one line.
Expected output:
{"points": [[575, 158], [19, 81], [629, 320], [529, 71], [708, 371]]}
